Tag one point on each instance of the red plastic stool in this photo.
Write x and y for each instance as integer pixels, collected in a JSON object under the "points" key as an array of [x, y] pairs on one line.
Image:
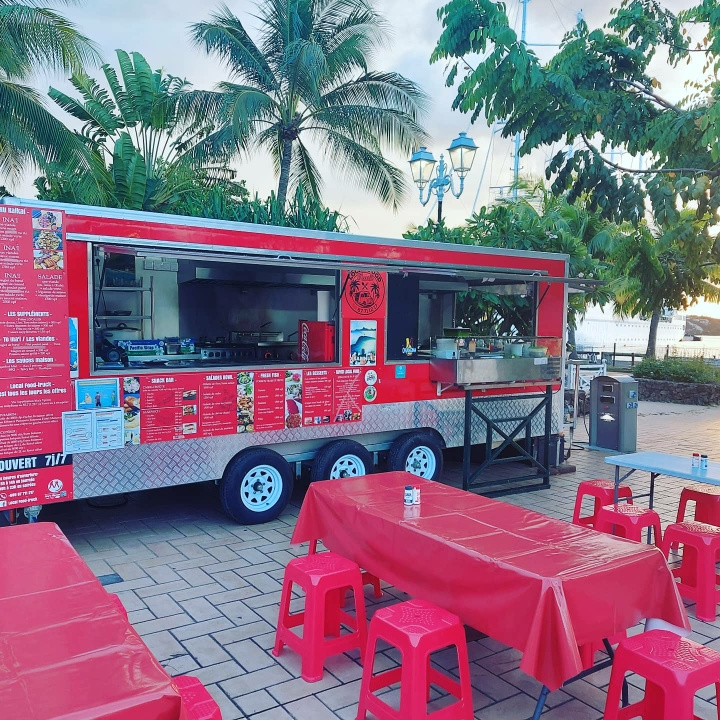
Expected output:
{"points": [[323, 577], [197, 701], [697, 574], [629, 521], [674, 669], [367, 578], [370, 579], [416, 628], [604, 493], [707, 503], [118, 604]]}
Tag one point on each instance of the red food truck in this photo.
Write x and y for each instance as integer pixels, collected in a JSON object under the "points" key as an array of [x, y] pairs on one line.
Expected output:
{"points": [[143, 350]]}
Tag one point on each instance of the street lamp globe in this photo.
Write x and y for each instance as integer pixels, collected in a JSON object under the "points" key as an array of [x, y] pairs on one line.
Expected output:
{"points": [[422, 164], [462, 154]]}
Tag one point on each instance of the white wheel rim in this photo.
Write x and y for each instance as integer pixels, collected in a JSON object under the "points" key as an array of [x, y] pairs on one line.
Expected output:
{"points": [[347, 466], [421, 462], [261, 488]]}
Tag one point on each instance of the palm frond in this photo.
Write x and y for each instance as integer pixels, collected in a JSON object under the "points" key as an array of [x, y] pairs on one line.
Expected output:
{"points": [[36, 39], [304, 173], [29, 132], [225, 37], [365, 168], [98, 108]]}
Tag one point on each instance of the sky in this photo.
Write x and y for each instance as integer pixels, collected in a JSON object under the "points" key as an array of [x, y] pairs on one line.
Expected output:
{"points": [[159, 30]]}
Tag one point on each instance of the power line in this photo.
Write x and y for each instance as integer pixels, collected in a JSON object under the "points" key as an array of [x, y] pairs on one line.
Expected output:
{"points": [[552, 2]]}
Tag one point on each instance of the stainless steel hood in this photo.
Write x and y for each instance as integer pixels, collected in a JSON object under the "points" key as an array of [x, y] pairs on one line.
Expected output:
{"points": [[230, 274]]}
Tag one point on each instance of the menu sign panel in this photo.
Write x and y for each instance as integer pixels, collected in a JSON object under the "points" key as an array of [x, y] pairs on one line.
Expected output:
{"points": [[191, 405], [34, 358]]}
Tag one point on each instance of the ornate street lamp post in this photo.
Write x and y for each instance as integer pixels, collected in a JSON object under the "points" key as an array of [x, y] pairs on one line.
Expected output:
{"points": [[462, 153]]}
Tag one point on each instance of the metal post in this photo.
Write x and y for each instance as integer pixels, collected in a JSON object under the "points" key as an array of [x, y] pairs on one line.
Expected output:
{"points": [[548, 428], [440, 202], [516, 159], [576, 396], [614, 354], [468, 440]]}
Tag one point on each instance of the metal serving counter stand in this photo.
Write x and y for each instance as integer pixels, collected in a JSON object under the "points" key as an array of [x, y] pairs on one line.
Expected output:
{"points": [[485, 373]]}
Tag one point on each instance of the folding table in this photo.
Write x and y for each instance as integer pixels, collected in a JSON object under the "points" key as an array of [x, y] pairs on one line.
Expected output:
{"points": [[657, 463], [66, 651], [540, 585]]}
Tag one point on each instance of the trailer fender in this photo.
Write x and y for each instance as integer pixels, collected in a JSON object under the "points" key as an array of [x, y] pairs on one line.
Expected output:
{"points": [[256, 486], [418, 452]]}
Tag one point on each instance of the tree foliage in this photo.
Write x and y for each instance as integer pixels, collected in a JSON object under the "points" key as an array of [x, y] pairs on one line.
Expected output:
{"points": [[540, 222], [34, 39], [136, 143], [309, 78], [597, 91]]}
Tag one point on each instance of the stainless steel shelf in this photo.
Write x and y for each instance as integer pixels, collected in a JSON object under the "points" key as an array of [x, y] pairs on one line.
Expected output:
{"points": [[121, 318], [125, 289]]}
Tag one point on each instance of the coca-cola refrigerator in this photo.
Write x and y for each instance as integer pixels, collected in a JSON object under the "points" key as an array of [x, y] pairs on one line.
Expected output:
{"points": [[316, 341]]}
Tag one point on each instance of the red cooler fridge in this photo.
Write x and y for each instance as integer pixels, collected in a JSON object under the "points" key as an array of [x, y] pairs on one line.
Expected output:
{"points": [[316, 341]]}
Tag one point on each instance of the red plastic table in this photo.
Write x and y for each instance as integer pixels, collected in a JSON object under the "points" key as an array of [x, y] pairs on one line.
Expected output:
{"points": [[65, 649], [540, 585]]}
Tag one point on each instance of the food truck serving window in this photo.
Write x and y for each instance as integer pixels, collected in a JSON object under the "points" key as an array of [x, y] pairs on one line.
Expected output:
{"points": [[155, 307], [422, 306]]}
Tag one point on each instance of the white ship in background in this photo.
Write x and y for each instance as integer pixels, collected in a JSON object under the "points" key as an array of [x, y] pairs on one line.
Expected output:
{"points": [[602, 330]]}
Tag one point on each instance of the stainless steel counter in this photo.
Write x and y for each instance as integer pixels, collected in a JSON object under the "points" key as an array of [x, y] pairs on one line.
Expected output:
{"points": [[481, 370]]}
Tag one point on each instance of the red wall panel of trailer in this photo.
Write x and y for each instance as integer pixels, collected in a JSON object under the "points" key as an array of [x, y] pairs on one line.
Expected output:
{"points": [[190, 404]]}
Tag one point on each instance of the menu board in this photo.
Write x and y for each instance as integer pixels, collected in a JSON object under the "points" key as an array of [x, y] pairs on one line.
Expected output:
{"points": [[191, 405], [347, 395], [332, 396], [217, 404], [34, 358]]}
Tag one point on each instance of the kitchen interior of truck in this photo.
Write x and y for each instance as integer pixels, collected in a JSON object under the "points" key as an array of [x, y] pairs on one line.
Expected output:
{"points": [[160, 308]]}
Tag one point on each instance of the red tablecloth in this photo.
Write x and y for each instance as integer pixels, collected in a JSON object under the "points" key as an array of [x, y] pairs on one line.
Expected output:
{"points": [[540, 585], [65, 650]]}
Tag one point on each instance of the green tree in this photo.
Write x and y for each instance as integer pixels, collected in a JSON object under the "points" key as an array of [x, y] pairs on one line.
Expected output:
{"points": [[228, 200], [652, 271], [34, 39], [597, 91], [309, 78], [137, 140]]}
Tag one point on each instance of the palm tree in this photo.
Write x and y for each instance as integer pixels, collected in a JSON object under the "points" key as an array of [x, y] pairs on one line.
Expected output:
{"points": [[309, 78], [137, 142], [33, 39], [654, 269]]}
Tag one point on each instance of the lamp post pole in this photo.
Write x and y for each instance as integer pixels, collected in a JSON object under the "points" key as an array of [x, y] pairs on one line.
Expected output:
{"points": [[422, 165]]}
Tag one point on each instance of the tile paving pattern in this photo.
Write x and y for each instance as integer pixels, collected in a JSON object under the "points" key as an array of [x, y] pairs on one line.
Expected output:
{"points": [[204, 592]]}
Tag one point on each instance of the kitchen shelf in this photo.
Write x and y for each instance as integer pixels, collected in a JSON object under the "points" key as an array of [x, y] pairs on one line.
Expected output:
{"points": [[126, 289], [121, 318], [163, 358]]}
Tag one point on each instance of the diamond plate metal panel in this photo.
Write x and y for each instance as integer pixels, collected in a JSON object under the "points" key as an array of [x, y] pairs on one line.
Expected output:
{"points": [[154, 465]]}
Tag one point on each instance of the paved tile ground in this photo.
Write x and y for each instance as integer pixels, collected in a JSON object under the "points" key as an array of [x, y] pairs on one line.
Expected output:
{"points": [[204, 592]]}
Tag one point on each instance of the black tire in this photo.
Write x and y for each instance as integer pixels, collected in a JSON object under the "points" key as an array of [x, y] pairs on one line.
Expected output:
{"points": [[418, 453], [256, 486], [341, 458]]}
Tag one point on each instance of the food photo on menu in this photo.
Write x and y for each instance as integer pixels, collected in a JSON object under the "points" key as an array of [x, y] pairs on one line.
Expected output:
{"points": [[293, 399], [131, 410], [245, 402]]}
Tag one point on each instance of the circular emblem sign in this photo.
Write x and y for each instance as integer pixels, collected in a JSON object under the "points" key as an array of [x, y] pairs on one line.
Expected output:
{"points": [[55, 486], [365, 291]]}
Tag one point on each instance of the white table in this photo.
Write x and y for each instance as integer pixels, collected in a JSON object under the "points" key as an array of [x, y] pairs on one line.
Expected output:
{"points": [[657, 463]]}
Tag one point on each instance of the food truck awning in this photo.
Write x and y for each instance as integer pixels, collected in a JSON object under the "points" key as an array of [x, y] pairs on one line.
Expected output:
{"points": [[473, 275]]}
